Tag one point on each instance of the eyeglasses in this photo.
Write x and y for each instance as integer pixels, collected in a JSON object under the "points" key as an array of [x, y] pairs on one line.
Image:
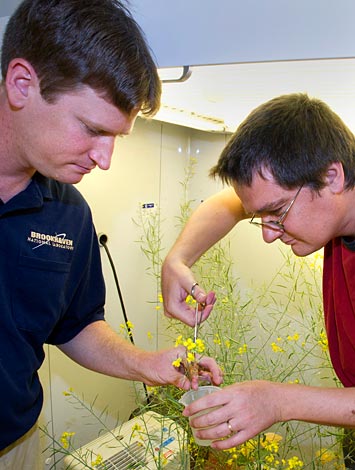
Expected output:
{"points": [[276, 224]]}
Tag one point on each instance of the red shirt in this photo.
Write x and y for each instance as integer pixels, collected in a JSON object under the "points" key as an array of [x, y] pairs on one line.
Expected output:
{"points": [[339, 308]]}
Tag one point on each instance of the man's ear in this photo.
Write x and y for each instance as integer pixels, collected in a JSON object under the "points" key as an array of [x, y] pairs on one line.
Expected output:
{"points": [[20, 79], [335, 178]]}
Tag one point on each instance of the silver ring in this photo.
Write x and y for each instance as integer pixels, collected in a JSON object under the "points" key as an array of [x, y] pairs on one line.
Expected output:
{"points": [[230, 427], [193, 289]]}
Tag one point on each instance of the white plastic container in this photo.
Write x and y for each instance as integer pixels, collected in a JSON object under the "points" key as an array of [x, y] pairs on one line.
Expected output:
{"points": [[193, 395]]}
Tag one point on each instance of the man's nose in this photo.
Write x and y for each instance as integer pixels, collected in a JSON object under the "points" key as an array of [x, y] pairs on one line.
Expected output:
{"points": [[271, 234], [101, 154]]}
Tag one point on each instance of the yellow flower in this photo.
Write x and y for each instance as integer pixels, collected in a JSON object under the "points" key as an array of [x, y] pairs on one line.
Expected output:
{"points": [[179, 340], [191, 349], [294, 463], [271, 441], [65, 439], [190, 357], [271, 436], [323, 341], [97, 461], [68, 393], [217, 339], [248, 448], [276, 348], [242, 350], [295, 337], [325, 456], [270, 458], [189, 344], [200, 345], [190, 300], [149, 335], [177, 362], [160, 298]]}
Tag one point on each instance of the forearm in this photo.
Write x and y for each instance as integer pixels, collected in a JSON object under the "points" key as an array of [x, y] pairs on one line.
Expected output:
{"points": [[328, 406], [209, 223], [213, 219], [99, 348]]}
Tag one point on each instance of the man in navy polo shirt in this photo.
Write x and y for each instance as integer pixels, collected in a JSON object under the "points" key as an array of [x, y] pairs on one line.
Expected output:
{"points": [[75, 74]]}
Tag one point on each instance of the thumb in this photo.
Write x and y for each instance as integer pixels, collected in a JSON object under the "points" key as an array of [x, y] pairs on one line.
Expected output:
{"points": [[198, 293]]}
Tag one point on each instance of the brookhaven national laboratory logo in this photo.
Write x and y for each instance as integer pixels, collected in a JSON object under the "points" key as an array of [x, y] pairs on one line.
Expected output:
{"points": [[56, 241]]}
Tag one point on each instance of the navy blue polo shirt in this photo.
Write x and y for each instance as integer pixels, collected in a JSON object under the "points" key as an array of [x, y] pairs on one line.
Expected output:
{"points": [[51, 288]]}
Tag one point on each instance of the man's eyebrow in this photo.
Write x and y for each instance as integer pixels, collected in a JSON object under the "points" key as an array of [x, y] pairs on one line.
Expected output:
{"points": [[271, 206], [100, 130]]}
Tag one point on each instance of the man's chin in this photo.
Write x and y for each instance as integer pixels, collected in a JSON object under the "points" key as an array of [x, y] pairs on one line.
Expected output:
{"points": [[69, 179], [300, 249]]}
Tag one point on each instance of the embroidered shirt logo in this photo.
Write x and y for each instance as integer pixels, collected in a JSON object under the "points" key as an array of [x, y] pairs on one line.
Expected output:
{"points": [[56, 241]]}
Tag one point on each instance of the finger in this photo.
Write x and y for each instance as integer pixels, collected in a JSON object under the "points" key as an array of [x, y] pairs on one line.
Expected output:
{"points": [[182, 312], [198, 293], [183, 383], [234, 440], [209, 364], [211, 298], [206, 312]]}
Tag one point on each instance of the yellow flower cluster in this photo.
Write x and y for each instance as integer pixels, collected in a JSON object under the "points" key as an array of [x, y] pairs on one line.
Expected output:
{"points": [[189, 344], [276, 348], [271, 441], [323, 341], [137, 430], [292, 463], [98, 461], [330, 459], [217, 339], [191, 349], [265, 448], [128, 325], [317, 260], [126, 328], [160, 302], [295, 337], [242, 349], [276, 345], [65, 439], [251, 452], [190, 300]]}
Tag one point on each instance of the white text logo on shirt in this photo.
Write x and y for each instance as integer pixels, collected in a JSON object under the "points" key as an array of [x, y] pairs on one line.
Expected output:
{"points": [[56, 241]]}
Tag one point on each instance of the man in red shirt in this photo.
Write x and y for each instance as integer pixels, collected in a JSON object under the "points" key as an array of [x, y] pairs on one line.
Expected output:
{"points": [[291, 170]]}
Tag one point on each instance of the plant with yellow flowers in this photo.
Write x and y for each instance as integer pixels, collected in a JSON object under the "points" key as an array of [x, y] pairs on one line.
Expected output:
{"points": [[273, 332]]}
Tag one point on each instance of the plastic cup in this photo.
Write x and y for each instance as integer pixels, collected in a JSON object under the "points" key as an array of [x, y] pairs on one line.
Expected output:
{"points": [[193, 395]]}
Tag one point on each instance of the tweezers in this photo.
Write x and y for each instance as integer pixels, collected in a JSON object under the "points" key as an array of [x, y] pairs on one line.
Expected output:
{"points": [[197, 322]]}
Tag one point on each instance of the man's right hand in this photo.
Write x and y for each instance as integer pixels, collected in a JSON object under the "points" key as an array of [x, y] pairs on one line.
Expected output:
{"points": [[177, 282]]}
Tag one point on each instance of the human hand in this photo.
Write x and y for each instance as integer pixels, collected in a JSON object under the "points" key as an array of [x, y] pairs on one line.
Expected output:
{"points": [[247, 409], [177, 282], [159, 369]]}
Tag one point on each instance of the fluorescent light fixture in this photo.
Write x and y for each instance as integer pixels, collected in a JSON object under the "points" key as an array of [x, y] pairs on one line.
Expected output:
{"points": [[183, 117]]}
